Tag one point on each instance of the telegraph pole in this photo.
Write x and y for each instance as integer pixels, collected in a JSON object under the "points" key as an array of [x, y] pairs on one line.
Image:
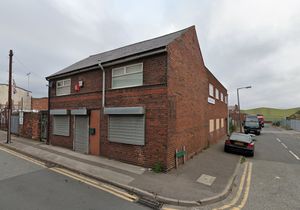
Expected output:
{"points": [[8, 140]]}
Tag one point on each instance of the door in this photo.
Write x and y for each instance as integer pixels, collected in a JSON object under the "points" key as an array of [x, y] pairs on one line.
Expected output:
{"points": [[44, 126], [15, 124], [81, 134]]}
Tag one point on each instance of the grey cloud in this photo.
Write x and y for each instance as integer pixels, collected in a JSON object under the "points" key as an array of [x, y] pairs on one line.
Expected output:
{"points": [[50, 35]]}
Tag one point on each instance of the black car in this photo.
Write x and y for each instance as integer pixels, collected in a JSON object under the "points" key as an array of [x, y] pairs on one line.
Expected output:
{"points": [[239, 142], [252, 126]]}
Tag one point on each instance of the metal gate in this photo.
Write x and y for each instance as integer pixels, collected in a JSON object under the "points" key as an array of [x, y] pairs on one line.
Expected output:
{"points": [[81, 134], [44, 126], [14, 124]]}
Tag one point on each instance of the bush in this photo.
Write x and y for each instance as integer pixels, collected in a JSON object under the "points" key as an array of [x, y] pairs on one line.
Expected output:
{"points": [[157, 168], [276, 123]]}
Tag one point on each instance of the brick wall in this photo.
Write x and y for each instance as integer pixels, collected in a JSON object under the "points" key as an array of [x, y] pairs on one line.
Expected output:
{"points": [[39, 103], [154, 99], [187, 97], [31, 126], [217, 110], [152, 96]]}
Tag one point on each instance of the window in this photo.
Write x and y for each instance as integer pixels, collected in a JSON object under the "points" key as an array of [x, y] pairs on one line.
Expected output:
{"points": [[222, 123], [61, 125], [217, 94], [226, 98], [63, 87], [211, 90], [217, 124], [222, 97], [211, 125], [127, 76], [127, 129]]}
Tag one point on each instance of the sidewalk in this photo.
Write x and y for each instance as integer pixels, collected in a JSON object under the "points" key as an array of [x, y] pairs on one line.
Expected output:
{"points": [[179, 187]]}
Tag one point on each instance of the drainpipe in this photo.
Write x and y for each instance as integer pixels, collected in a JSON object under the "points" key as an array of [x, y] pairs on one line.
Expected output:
{"points": [[103, 84], [48, 113]]}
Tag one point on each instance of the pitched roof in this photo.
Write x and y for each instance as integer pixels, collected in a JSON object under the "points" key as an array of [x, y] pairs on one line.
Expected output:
{"points": [[122, 52]]}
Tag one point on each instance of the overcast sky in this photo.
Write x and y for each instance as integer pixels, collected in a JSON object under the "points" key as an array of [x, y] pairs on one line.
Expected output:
{"points": [[249, 42]]}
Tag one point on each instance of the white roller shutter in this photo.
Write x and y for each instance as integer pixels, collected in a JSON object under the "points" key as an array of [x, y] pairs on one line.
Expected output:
{"points": [[61, 125], [127, 129], [81, 140]]}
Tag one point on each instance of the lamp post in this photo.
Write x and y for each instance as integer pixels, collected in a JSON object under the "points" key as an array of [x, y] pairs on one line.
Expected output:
{"points": [[238, 98]]}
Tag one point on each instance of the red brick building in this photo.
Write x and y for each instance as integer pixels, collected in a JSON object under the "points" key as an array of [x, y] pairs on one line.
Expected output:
{"points": [[39, 104], [139, 103]]}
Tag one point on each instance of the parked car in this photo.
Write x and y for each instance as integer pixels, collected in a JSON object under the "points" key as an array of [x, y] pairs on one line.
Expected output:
{"points": [[251, 125], [261, 120], [241, 143]]}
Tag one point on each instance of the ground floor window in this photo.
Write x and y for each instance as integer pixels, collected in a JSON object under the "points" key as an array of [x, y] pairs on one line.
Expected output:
{"points": [[61, 125], [211, 125], [127, 129]]}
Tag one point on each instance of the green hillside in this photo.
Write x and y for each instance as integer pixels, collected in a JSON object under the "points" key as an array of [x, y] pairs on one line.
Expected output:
{"points": [[272, 114]]}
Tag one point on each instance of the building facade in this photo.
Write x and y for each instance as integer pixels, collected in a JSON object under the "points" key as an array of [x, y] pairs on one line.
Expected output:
{"points": [[140, 104], [21, 98]]}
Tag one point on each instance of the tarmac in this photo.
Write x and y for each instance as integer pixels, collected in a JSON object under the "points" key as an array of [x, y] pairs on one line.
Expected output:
{"points": [[205, 179]]}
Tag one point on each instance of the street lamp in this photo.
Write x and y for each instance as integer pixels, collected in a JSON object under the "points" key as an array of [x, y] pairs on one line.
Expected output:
{"points": [[238, 98]]}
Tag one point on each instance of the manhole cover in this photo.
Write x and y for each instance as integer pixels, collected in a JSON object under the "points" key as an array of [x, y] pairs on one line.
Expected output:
{"points": [[206, 179]]}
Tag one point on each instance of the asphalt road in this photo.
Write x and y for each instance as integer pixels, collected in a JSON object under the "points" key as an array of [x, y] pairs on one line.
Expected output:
{"points": [[273, 183], [26, 186]]}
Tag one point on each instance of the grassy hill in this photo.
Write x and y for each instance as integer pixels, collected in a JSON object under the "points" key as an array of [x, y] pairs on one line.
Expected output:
{"points": [[272, 114]]}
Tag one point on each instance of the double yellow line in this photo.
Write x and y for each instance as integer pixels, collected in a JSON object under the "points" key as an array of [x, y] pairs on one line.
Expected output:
{"points": [[84, 179], [233, 203]]}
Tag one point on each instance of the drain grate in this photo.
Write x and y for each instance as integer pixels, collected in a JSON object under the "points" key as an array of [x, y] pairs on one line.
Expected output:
{"points": [[150, 203]]}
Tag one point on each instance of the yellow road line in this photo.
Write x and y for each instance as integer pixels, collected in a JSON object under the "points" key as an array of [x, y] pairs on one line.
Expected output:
{"points": [[24, 157], [86, 180], [245, 198], [238, 194], [96, 184], [93, 181]]}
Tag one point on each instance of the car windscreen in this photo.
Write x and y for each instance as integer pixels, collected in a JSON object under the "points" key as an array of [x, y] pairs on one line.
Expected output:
{"points": [[251, 123], [237, 137]]}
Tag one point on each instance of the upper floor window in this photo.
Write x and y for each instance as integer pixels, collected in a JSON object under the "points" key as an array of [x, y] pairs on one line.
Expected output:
{"points": [[217, 94], [127, 76], [222, 97], [226, 99], [211, 90], [63, 87]]}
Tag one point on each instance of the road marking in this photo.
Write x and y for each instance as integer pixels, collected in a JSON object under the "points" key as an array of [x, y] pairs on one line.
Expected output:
{"points": [[247, 190], [294, 155], [238, 194], [291, 152], [96, 184], [284, 145], [24, 157], [81, 178]]}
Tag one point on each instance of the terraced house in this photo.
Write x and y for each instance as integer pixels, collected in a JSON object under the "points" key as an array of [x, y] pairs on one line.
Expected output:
{"points": [[142, 103]]}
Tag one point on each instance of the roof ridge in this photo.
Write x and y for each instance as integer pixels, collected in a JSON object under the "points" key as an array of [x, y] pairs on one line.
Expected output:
{"points": [[143, 41]]}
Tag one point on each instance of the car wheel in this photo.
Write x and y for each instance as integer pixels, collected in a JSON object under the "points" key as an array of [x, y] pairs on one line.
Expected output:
{"points": [[258, 133], [225, 149], [251, 154]]}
